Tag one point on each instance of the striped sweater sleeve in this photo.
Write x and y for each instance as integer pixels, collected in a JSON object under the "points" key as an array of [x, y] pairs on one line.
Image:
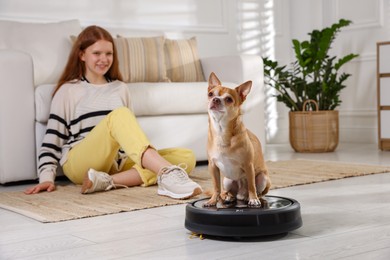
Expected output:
{"points": [[57, 134]]}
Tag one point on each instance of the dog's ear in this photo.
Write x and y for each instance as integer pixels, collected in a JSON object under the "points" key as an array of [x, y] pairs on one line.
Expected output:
{"points": [[214, 81], [244, 89]]}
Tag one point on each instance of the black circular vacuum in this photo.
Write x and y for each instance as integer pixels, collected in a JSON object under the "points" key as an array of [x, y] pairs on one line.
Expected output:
{"points": [[279, 215]]}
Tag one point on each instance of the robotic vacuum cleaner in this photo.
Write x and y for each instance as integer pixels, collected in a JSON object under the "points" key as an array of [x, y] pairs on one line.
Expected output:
{"points": [[281, 215]]}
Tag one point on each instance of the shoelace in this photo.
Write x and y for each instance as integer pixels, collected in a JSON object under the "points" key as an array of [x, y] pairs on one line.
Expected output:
{"points": [[111, 185], [177, 172], [115, 186], [104, 179]]}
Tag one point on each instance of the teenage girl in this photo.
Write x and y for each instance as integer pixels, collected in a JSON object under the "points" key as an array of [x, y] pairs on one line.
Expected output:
{"points": [[93, 134]]}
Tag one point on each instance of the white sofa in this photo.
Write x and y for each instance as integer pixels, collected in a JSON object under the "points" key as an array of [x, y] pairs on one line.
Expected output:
{"points": [[173, 114]]}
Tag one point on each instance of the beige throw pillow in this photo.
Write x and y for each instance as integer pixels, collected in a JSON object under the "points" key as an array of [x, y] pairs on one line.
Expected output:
{"points": [[182, 60], [141, 59]]}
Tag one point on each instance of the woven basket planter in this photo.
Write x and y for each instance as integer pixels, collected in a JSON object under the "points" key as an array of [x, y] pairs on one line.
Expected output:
{"points": [[314, 131]]}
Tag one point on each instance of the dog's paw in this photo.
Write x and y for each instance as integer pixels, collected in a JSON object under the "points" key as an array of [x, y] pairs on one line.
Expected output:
{"points": [[210, 203], [229, 199], [255, 203]]}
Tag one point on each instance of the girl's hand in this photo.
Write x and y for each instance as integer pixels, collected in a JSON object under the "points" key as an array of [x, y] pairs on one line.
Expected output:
{"points": [[44, 186]]}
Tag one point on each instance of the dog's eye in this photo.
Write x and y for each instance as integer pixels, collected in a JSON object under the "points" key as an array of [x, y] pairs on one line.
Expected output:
{"points": [[228, 100], [211, 94]]}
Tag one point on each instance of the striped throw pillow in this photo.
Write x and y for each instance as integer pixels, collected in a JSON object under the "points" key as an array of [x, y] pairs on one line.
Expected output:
{"points": [[141, 59], [182, 60]]}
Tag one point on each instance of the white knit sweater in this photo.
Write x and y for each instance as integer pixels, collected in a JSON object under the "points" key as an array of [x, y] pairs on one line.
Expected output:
{"points": [[76, 109]]}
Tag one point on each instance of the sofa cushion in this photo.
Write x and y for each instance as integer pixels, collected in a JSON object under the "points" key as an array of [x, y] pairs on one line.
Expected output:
{"points": [[47, 43], [164, 98], [182, 60], [141, 59], [148, 99], [43, 97]]}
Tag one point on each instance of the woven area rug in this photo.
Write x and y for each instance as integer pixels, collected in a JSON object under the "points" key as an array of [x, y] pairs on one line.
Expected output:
{"points": [[66, 203]]}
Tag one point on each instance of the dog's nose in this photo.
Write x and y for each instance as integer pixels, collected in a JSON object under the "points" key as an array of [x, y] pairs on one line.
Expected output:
{"points": [[216, 101]]}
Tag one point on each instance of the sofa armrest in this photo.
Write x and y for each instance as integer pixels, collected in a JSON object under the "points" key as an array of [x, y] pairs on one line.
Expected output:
{"points": [[238, 69], [17, 117]]}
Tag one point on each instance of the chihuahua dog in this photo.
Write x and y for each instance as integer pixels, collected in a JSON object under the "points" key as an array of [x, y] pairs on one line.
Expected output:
{"points": [[233, 151]]}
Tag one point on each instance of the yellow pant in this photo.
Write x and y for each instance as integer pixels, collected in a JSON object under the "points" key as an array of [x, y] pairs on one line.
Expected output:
{"points": [[119, 129]]}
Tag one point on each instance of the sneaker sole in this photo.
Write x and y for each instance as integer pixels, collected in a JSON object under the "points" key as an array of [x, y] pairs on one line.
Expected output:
{"points": [[87, 184], [195, 192]]}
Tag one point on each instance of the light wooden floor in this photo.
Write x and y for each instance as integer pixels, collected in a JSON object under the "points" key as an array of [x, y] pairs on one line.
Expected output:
{"points": [[344, 219]]}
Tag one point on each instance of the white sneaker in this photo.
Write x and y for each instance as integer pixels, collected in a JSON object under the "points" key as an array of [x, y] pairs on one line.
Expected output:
{"points": [[97, 181], [173, 181]]}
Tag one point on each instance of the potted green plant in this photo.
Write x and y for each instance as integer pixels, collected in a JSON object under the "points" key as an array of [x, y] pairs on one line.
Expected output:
{"points": [[310, 88]]}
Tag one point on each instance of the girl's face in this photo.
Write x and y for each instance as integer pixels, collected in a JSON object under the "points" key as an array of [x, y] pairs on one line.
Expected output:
{"points": [[98, 59]]}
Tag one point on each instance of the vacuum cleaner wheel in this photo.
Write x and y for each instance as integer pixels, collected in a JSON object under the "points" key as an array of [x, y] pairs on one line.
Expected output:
{"points": [[281, 215]]}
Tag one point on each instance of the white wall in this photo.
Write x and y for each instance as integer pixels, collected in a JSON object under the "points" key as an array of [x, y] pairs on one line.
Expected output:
{"points": [[358, 114], [214, 22], [225, 27]]}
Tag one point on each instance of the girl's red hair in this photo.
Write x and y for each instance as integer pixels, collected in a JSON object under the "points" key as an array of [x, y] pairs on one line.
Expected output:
{"points": [[75, 67]]}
